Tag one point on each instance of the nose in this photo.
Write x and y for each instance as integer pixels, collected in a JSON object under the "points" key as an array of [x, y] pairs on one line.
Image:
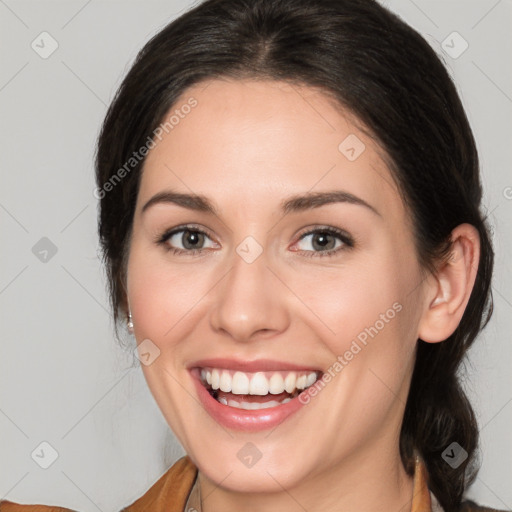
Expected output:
{"points": [[250, 302]]}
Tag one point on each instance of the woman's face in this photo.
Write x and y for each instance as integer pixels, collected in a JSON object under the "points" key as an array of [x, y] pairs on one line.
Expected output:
{"points": [[278, 287]]}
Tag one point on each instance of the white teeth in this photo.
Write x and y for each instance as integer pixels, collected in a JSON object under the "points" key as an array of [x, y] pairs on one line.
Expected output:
{"points": [[301, 382], [259, 383], [252, 405], [289, 382], [276, 384], [240, 384], [225, 382], [215, 379], [311, 379]]}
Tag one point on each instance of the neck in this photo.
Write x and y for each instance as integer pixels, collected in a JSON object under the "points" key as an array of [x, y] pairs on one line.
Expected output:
{"points": [[371, 482]]}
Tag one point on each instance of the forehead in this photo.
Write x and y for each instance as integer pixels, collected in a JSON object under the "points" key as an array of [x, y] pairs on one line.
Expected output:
{"points": [[244, 140]]}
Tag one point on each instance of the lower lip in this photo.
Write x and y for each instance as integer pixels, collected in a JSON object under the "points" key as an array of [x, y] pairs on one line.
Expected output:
{"points": [[242, 419]]}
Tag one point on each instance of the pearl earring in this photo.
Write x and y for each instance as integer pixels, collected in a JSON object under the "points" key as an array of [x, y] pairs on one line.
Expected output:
{"points": [[130, 323]]}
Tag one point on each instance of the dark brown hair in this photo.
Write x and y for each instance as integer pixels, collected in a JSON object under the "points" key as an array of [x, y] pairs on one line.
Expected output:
{"points": [[385, 74]]}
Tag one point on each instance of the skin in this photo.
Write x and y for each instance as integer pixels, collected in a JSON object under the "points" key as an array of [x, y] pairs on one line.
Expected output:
{"points": [[247, 146]]}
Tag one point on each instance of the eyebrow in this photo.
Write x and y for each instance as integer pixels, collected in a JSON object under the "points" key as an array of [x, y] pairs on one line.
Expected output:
{"points": [[295, 203]]}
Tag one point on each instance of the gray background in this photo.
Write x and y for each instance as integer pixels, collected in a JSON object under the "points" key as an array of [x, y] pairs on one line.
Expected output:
{"points": [[63, 378]]}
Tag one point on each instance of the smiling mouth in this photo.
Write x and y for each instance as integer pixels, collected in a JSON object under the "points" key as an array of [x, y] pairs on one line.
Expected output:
{"points": [[259, 390]]}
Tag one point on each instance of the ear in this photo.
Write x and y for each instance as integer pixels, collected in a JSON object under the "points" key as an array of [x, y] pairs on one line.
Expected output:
{"points": [[449, 290]]}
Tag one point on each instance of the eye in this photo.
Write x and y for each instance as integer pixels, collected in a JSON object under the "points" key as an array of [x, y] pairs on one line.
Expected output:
{"points": [[185, 240], [325, 241], [189, 240]]}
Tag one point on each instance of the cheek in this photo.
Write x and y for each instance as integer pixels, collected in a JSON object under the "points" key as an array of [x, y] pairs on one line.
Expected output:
{"points": [[366, 315], [351, 297], [162, 296]]}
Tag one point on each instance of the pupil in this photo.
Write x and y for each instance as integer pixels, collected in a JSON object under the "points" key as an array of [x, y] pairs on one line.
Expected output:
{"points": [[191, 239], [323, 240]]}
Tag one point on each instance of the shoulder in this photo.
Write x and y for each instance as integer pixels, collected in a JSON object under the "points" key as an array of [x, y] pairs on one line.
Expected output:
{"points": [[168, 494], [471, 506], [10, 506]]}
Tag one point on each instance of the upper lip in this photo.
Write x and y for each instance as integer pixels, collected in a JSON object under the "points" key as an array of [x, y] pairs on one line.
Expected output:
{"points": [[257, 365]]}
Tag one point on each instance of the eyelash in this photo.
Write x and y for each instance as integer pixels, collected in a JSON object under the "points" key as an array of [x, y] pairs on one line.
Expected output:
{"points": [[347, 240]]}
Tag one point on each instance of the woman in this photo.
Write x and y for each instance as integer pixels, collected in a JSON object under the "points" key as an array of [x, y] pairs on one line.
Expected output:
{"points": [[291, 226]]}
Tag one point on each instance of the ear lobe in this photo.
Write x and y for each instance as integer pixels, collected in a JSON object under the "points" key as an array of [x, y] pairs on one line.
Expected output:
{"points": [[448, 292]]}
